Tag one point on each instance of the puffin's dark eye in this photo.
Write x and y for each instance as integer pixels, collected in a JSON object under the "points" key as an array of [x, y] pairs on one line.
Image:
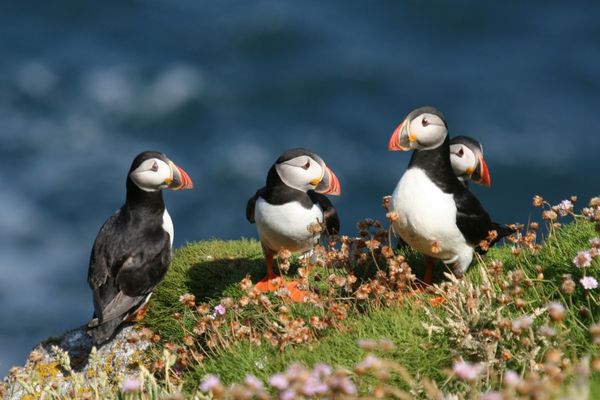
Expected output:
{"points": [[461, 152], [307, 165], [154, 166], [424, 122]]}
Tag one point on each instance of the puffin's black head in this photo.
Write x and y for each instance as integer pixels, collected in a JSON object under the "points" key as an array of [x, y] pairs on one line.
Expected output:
{"points": [[152, 171], [304, 170], [466, 157], [423, 129]]}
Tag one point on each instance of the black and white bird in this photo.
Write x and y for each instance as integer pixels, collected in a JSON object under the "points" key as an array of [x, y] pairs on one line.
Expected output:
{"points": [[437, 215], [132, 251], [293, 199], [466, 158]]}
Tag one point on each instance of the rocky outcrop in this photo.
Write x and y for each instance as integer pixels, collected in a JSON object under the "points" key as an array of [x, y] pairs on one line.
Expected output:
{"points": [[69, 365]]}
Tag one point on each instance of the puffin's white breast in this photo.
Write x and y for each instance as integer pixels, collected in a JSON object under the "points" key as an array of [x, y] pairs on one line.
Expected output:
{"points": [[286, 225], [168, 226], [427, 215]]}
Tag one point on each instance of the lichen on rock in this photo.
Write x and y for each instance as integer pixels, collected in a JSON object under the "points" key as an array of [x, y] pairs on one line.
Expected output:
{"points": [[69, 365]]}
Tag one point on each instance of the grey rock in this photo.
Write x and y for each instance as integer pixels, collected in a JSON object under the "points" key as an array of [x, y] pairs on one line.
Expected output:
{"points": [[48, 370]]}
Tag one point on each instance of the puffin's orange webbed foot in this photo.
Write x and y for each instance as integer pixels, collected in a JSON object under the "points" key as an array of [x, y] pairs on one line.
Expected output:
{"points": [[277, 283]]}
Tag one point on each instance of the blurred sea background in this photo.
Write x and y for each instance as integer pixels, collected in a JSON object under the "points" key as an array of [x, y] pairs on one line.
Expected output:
{"points": [[223, 87]]}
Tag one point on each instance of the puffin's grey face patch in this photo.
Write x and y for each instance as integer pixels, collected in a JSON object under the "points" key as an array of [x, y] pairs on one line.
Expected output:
{"points": [[152, 175], [427, 131], [303, 172], [463, 160]]}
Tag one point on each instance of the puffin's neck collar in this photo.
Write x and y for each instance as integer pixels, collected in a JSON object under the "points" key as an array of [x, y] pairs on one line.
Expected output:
{"points": [[277, 192], [436, 165], [138, 198]]}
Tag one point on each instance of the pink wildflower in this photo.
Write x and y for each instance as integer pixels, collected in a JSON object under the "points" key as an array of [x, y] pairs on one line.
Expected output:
{"points": [[564, 207], [209, 383], [288, 394], [583, 259], [254, 383], [370, 361], [220, 309], [511, 378], [313, 386], [131, 385], [491, 396], [279, 381], [342, 383], [522, 323], [467, 371], [589, 282]]}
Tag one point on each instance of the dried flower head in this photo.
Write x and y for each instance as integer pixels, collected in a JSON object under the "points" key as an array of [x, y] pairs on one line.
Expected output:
{"points": [[556, 311], [549, 215], [568, 285], [386, 201], [36, 356], [188, 299], [538, 201], [315, 228], [392, 216], [435, 247]]}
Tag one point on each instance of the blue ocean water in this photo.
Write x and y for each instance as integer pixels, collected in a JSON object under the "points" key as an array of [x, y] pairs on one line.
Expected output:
{"points": [[224, 87]]}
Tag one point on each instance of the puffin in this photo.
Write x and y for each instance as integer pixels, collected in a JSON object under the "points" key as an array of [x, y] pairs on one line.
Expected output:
{"points": [[293, 198], [466, 157], [132, 251], [437, 215]]}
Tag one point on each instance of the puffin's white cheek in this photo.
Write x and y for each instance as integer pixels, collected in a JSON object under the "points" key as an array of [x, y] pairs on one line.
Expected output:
{"points": [[432, 136], [293, 177], [458, 165], [147, 180]]}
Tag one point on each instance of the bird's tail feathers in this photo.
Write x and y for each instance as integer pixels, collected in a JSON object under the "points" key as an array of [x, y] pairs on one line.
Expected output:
{"points": [[502, 231], [102, 333]]}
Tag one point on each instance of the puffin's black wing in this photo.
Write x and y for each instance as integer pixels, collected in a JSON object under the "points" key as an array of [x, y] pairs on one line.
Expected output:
{"points": [[472, 220], [124, 269], [330, 215], [252, 203]]}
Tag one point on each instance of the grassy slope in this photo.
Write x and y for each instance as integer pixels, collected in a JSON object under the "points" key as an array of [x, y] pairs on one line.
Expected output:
{"points": [[211, 269]]}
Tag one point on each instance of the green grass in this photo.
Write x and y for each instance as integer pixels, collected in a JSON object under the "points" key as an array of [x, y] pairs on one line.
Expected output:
{"points": [[212, 270], [338, 349]]}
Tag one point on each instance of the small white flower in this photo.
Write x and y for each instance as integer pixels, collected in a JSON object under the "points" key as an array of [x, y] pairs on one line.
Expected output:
{"points": [[589, 282]]}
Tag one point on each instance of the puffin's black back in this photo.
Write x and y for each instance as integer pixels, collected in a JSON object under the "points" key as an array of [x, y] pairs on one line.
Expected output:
{"points": [[130, 256]]}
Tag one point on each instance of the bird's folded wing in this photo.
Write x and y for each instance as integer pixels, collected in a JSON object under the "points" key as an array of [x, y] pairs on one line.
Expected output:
{"points": [[121, 306], [330, 215], [251, 204], [472, 220]]}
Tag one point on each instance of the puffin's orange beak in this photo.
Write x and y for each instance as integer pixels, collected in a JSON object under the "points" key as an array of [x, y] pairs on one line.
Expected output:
{"points": [[401, 138], [482, 174], [330, 184], [181, 180]]}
